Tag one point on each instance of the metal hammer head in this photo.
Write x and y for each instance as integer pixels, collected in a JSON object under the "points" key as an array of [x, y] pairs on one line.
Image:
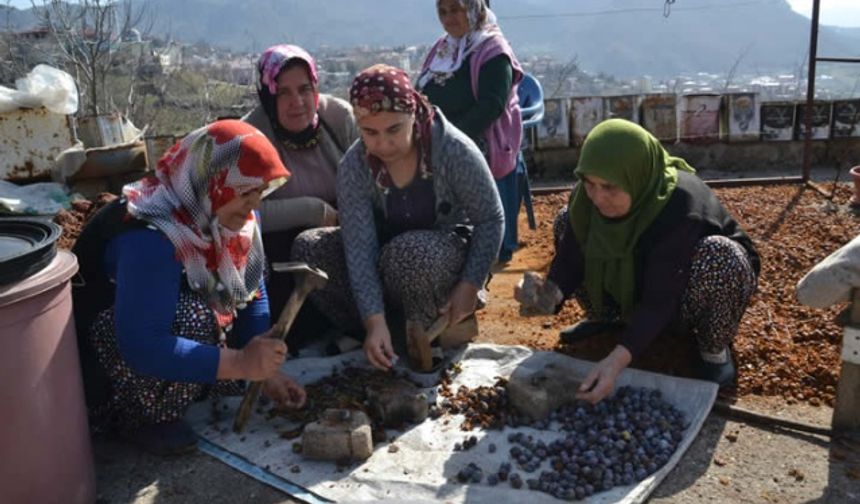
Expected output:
{"points": [[314, 278]]}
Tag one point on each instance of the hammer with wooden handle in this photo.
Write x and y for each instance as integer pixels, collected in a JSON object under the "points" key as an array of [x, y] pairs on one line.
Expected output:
{"points": [[306, 280], [418, 340]]}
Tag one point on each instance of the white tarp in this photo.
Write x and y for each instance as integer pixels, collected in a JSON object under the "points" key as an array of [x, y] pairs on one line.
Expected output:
{"points": [[425, 466]]}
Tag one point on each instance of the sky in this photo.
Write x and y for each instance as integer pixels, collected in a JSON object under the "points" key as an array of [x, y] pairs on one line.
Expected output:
{"points": [[833, 12]]}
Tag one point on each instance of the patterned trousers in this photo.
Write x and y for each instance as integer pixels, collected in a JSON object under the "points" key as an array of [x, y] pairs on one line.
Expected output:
{"points": [[722, 281], [136, 399], [418, 270]]}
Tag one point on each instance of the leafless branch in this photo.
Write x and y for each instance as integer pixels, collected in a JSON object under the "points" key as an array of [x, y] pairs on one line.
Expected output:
{"points": [[88, 33]]}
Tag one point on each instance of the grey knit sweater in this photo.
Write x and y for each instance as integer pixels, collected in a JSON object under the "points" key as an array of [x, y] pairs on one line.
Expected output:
{"points": [[300, 202], [465, 195]]}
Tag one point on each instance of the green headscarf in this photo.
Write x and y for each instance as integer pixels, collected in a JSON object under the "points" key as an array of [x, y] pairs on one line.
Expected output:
{"points": [[624, 154]]}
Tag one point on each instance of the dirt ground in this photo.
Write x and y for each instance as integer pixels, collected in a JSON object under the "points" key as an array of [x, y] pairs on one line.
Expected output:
{"points": [[787, 357]]}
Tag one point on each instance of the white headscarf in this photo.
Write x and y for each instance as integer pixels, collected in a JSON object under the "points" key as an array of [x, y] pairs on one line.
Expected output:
{"points": [[452, 52]]}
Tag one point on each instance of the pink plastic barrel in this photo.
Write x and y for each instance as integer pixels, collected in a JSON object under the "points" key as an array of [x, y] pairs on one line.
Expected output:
{"points": [[44, 437]]}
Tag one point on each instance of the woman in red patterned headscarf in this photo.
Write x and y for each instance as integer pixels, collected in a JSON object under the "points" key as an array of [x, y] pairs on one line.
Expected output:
{"points": [[172, 304]]}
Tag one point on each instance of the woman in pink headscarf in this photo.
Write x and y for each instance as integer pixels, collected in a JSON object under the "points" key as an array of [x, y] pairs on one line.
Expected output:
{"points": [[311, 132]]}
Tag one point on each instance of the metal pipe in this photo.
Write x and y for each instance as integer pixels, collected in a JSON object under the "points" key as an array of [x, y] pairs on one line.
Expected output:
{"points": [[742, 182], [810, 91], [840, 60], [738, 182], [765, 420]]}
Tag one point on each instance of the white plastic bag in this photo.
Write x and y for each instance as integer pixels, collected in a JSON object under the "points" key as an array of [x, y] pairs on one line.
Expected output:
{"points": [[45, 86]]}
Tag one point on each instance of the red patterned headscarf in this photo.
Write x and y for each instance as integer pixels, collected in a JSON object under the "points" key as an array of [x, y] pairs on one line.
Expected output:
{"points": [[384, 88], [197, 176]]}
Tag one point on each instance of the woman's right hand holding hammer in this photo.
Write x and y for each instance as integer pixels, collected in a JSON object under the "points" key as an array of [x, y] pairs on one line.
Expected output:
{"points": [[260, 359]]}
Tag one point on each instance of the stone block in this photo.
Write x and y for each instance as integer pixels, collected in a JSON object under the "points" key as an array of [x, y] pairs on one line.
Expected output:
{"points": [[536, 394], [397, 402], [339, 435]]}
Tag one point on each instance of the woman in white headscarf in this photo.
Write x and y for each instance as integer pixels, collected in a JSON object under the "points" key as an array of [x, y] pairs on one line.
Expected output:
{"points": [[471, 74]]}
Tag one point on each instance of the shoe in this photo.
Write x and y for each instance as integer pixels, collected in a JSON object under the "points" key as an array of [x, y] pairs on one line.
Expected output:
{"points": [[585, 329], [721, 374], [165, 439]]}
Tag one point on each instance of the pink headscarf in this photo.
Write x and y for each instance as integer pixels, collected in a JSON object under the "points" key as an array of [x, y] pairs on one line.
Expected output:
{"points": [[269, 66], [273, 60]]}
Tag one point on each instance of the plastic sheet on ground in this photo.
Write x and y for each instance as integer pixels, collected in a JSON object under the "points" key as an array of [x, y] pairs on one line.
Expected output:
{"points": [[424, 467], [44, 198]]}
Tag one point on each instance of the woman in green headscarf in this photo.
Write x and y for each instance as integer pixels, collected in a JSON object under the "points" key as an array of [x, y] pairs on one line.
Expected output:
{"points": [[644, 245]]}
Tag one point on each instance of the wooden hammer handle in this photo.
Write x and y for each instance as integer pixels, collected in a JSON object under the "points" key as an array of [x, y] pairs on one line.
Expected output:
{"points": [[279, 331], [436, 328]]}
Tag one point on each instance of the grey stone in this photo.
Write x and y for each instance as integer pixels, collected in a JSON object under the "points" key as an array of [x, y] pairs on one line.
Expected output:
{"points": [[338, 435], [536, 394], [397, 402]]}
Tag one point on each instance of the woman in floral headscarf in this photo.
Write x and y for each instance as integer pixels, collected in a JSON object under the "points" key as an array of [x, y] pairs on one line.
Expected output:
{"points": [[311, 132], [172, 304], [421, 220], [471, 74]]}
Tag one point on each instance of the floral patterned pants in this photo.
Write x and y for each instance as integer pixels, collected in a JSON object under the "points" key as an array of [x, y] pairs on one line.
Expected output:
{"points": [[418, 270], [718, 292], [137, 399]]}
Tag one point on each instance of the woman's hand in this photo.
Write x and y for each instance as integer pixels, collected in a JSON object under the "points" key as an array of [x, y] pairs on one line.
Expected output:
{"points": [[462, 302], [601, 379], [284, 391], [260, 359], [536, 293], [377, 344]]}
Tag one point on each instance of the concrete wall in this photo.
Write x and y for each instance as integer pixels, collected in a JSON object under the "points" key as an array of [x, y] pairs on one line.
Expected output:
{"points": [[731, 160]]}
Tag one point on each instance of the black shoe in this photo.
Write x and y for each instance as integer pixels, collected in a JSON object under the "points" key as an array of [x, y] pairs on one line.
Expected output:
{"points": [[585, 329], [166, 439], [721, 374]]}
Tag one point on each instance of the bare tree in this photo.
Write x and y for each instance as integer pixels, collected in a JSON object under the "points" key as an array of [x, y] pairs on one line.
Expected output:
{"points": [[560, 77], [87, 34], [730, 75], [17, 54]]}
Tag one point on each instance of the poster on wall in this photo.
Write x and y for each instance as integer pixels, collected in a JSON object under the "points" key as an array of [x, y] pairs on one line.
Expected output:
{"points": [[700, 118], [777, 121], [820, 120], [743, 117], [659, 116], [587, 113], [846, 118], [622, 107], [553, 132]]}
